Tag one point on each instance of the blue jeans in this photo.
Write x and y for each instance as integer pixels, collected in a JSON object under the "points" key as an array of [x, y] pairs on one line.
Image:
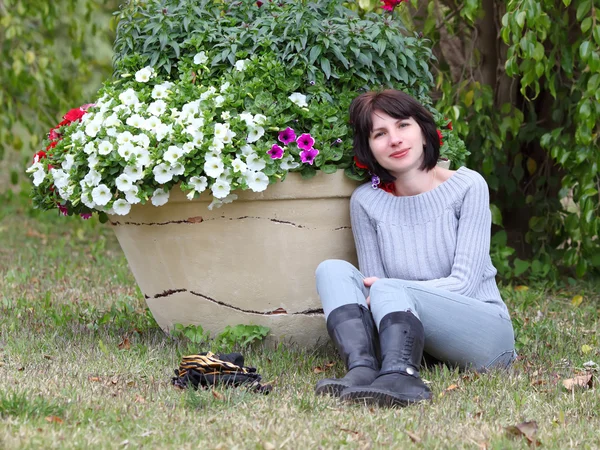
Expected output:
{"points": [[459, 330]]}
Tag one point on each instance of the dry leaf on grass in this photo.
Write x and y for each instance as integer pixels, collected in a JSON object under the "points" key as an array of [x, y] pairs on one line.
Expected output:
{"points": [[125, 344], [584, 381], [320, 369], [217, 395], [413, 437], [139, 399], [94, 379], [452, 387], [521, 288], [577, 300], [528, 430], [54, 419]]}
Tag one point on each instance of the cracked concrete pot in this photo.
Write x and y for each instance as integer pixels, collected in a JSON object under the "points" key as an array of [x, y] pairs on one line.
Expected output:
{"points": [[249, 262]]}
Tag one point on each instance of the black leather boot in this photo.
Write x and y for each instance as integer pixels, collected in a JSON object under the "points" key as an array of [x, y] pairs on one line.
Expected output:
{"points": [[352, 329], [402, 339]]}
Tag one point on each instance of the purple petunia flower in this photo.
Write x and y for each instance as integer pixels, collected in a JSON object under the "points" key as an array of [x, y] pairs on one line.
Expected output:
{"points": [[308, 156], [86, 216], [305, 142], [286, 136], [276, 152], [63, 209]]}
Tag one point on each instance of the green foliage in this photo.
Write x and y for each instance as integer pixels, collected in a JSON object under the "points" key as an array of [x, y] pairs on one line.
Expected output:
{"points": [[252, 71], [535, 136], [195, 333], [241, 336], [19, 405], [51, 52]]}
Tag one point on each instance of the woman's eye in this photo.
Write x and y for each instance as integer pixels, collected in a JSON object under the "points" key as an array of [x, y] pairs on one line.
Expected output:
{"points": [[379, 133]]}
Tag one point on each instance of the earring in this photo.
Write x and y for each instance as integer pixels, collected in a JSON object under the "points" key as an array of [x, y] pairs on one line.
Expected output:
{"points": [[375, 181]]}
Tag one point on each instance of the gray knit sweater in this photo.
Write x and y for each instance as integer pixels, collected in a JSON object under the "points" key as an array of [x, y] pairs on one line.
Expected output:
{"points": [[440, 238]]}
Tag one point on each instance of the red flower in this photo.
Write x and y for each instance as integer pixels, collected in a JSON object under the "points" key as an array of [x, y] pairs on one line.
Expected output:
{"points": [[441, 137], [38, 156], [51, 145], [449, 125], [63, 123], [259, 4], [358, 164], [389, 5], [74, 114], [53, 135]]}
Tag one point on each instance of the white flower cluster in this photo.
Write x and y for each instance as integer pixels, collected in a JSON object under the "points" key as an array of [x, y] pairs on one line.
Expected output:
{"points": [[123, 145]]}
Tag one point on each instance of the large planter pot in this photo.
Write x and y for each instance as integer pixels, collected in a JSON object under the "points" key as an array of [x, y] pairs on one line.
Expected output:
{"points": [[249, 262]]}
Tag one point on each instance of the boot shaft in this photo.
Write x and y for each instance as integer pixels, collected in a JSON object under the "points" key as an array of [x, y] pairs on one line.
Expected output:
{"points": [[402, 340], [352, 329]]}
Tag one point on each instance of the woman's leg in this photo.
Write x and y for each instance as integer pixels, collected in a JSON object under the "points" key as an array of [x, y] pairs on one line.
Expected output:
{"points": [[340, 283], [349, 324], [458, 330]]}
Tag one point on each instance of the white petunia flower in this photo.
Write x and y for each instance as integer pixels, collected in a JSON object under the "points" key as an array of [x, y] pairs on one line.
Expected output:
{"points": [[124, 110], [198, 139], [288, 163], [257, 181], [78, 137], [123, 182], [216, 147], [92, 178], [101, 195], [112, 132], [217, 203], [152, 123], [162, 173], [38, 173], [190, 195], [220, 189], [173, 154], [129, 97], [66, 192], [226, 175], [93, 160], [105, 147], [260, 119], [89, 148], [200, 58], [225, 115], [142, 139], [248, 118], [187, 147], [86, 199], [157, 108], [134, 172], [213, 167], [238, 165], [161, 90], [160, 197], [126, 151], [111, 121], [255, 134], [163, 130], [255, 162], [241, 64], [136, 121], [92, 128], [144, 75], [60, 178], [177, 168], [247, 150], [131, 195], [208, 93], [121, 207], [199, 183], [299, 99], [124, 138], [189, 110], [68, 162], [142, 156], [219, 100]]}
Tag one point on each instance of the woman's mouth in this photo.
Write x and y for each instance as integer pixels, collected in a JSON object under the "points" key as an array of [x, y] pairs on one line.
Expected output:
{"points": [[399, 154]]}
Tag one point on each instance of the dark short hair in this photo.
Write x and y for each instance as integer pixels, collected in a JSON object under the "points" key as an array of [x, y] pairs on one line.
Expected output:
{"points": [[398, 105]]}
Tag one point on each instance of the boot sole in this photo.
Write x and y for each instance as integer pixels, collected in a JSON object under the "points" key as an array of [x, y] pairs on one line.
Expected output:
{"points": [[380, 397], [330, 388]]}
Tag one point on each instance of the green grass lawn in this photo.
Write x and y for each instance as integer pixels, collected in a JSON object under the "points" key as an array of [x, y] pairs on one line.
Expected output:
{"points": [[84, 365]]}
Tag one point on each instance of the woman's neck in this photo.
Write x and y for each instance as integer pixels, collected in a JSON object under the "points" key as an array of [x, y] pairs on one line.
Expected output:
{"points": [[415, 182]]}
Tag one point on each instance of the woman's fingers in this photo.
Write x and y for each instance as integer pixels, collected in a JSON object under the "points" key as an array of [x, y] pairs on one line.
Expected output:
{"points": [[369, 281]]}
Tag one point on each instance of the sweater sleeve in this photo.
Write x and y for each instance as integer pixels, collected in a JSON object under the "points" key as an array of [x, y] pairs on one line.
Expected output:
{"points": [[472, 243], [364, 230]]}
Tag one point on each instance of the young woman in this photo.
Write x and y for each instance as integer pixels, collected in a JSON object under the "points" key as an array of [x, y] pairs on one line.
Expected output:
{"points": [[426, 280]]}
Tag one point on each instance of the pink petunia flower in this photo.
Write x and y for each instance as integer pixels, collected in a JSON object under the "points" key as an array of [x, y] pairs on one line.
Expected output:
{"points": [[276, 152], [63, 209], [389, 5], [86, 216], [305, 142], [308, 156], [286, 136]]}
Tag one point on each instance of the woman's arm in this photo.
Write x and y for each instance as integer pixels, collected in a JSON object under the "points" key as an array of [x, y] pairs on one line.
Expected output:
{"points": [[365, 239]]}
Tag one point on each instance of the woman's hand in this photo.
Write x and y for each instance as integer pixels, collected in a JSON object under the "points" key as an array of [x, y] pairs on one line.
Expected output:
{"points": [[368, 283]]}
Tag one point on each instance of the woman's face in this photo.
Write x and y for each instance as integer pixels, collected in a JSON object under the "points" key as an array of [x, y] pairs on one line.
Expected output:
{"points": [[397, 144]]}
